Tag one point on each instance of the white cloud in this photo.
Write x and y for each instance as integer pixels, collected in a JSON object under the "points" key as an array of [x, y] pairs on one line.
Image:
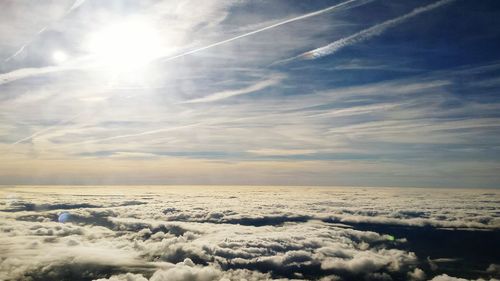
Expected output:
{"points": [[260, 85], [370, 32], [204, 233], [417, 275], [184, 109], [282, 152], [446, 277]]}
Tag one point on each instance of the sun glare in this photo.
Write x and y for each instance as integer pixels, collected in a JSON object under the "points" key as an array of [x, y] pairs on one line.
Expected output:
{"points": [[125, 45], [59, 56]]}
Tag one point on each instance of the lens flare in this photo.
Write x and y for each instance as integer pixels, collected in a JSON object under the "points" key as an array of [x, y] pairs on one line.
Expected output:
{"points": [[64, 217]]}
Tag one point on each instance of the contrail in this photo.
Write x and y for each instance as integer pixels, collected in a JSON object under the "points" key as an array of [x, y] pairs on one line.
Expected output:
{"points": [[21, 49], [75, 5], [145, 133], [6, 77], [78, 3], [366, 34], [46, 129], [331, 8], [231, 93]]}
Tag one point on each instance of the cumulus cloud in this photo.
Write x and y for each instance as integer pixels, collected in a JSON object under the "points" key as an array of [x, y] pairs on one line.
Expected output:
{"points": [[417, 275], [210, 234], [493, 269], [445, 277]]}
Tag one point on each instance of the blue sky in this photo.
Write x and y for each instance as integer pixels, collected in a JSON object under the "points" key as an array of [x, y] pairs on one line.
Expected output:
{"points": [[372, 93]]}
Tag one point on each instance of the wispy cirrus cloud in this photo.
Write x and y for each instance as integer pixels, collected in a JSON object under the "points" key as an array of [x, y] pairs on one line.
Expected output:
{"points": [[368, 33], [23, 73], [257, 86], [344, 4], [73, 7], [224, 112]]}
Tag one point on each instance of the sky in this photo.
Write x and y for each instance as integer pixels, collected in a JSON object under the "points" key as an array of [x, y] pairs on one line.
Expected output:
{"points": [[354, 93]]}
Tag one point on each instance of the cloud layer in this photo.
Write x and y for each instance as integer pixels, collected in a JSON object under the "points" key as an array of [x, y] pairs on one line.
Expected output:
{"points": [[234, 233]]}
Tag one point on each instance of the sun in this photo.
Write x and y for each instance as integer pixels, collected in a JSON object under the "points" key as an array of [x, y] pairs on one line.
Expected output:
{"points": [[125, 45], [59, 56]]}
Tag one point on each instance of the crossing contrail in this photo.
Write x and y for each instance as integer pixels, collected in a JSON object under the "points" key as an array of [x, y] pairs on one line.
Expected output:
{"points": [[144, 133], [75, 5], [46, 129], [21, 49], [305, 16], [365, 34], [19, 74], [312, 14]]}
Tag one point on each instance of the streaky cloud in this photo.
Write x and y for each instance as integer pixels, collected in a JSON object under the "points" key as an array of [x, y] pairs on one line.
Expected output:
{"points": [[366, 34], [35, 134], [247, 90], [73, 7], [23, 73], [305, 16], [144, 133]]}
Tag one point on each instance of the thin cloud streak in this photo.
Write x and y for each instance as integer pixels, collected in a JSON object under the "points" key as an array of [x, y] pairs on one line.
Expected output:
{"points": [[23, 73], [46, 129], [73, 7], [151, 132], [247, 90], [366, 34], [221, 106], [29, 72], [329, 9], [256, 87]]}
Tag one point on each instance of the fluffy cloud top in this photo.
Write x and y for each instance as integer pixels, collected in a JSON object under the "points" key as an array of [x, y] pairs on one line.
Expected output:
{"points": [[234, 233]]}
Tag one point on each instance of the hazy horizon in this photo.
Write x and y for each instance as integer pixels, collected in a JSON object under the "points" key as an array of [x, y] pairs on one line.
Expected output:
{"points": [[240, 185]]}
